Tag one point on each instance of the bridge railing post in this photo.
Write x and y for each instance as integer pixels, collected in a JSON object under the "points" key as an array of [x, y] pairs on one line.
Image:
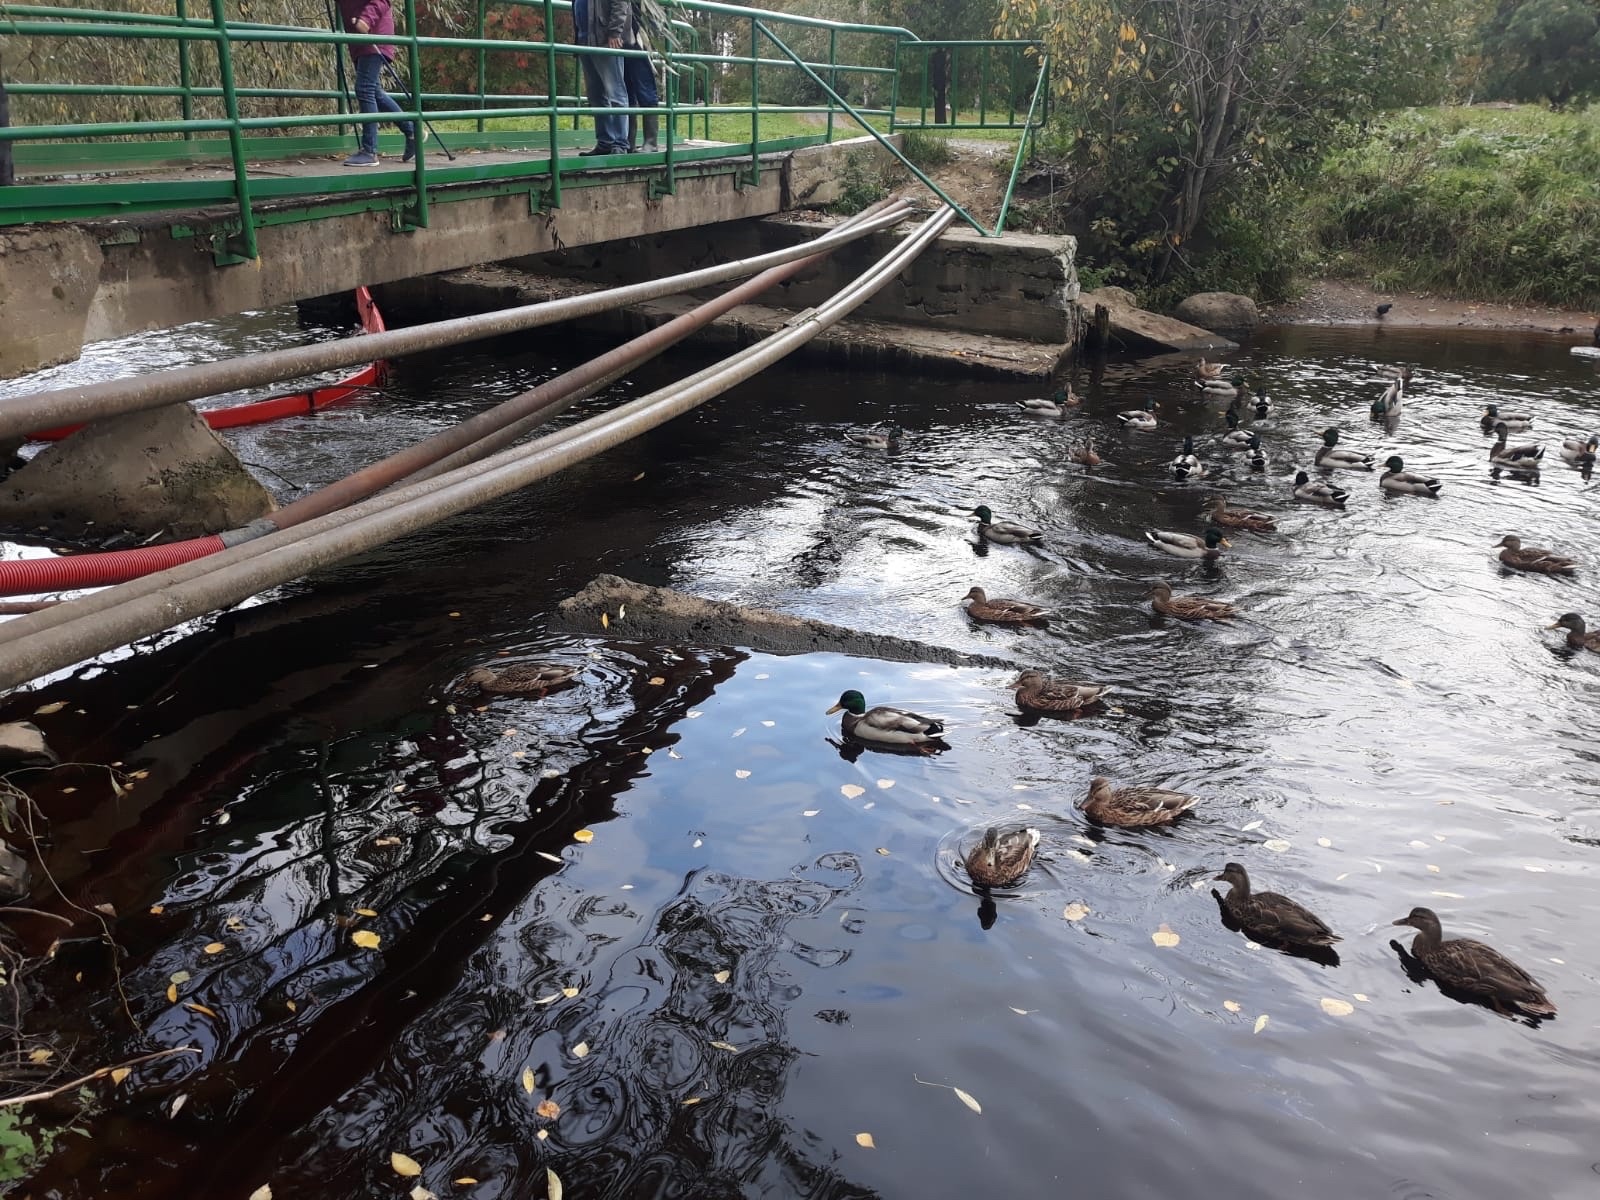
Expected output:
{"points": [[418, 130], [550, 102], [230, 100]]}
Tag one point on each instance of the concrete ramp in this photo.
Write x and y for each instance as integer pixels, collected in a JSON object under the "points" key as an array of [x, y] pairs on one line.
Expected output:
{"points": [[1132, 328]]}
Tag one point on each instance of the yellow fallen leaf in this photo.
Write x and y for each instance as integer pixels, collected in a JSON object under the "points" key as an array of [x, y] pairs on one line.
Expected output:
{"points": [[721, 976], [172, 993], [541, 1134], [548, 1109], [157, 909], [366, 912], [886, 783], [201, 1009], [41, 1056], [421, 1193], [464, 1181], [234, 924], [528, 1082], [569, 992], [44, 710], [883, 852], [120, 1074], [691, 1100], [264, 1192], [405, 1165], [865, 1141], [366, 939], [1165, 937], [1075, 911], [605, 621], [1231, 1005], [728, 1046], [968, 1099], [1277, 845], [583, 835], [851, 791], [581, 1050], [1337, 1008], [1261, 1023], [657, 680], [214, 948], [291, 1006], [552, 1185]]}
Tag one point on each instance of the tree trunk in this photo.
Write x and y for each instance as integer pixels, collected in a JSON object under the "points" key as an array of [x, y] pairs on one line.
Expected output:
{"points": [[939, 81]]}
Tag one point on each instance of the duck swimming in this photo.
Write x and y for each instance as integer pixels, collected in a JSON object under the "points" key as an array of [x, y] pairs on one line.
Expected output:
{"points": [[1188, 465], [1001, 858], [1513, 458], [885, 725], [1534, 558], [1492, 416], [1389, 404], [1084, 455], [1330, 455], [1237, 518], [1579, 637], [1318, 491], [1188, 545], [1235, 438], [1579, 453], [1139, 418], [1189, 608], [1054, 405], [1000, 611], [1005, 533], [1474, 968], [1263, 404], [1397, 479], [1039, 693], [521, 679], [1133, 807], [1271, 918], [876, 439]]}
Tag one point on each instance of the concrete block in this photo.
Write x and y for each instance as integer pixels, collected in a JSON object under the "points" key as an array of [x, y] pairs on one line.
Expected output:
{"points": [[22, 744], [48, 278], [162, 471]]}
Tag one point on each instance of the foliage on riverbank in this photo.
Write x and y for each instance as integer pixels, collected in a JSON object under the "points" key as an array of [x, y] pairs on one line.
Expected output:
{"points": [[1481, 202]]}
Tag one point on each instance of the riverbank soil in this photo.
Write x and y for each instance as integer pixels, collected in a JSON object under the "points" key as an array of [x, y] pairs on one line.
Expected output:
{"points": [[1339, 302]]}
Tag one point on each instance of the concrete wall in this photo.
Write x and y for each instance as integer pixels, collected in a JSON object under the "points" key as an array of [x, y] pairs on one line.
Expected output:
{"points": [[1022, 286], [64, 284]]}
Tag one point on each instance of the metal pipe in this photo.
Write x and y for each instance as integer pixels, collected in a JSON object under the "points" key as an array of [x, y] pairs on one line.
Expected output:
{"points": [[94, 401], [517, 417], [241, 572]]}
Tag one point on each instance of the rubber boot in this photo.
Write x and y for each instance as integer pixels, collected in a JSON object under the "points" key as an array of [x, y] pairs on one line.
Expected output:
{"points": [[652, 132], [633, 133]]}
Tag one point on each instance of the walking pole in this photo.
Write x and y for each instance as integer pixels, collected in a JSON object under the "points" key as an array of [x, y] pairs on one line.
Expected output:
{"points": [[401, 84]]}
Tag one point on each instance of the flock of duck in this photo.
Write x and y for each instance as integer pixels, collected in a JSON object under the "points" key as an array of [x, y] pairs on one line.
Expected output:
{"points": [[1470, 969]]}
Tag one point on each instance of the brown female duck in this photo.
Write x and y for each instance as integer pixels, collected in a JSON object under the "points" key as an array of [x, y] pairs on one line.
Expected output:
{"points": [[1037, 692], [1579, 636], [1534, 558], [1478, 970], [1269, 917], [1001, 611], [1238, 518], [1189, 608], [1133, 807], [1085, 455], [521, 679], [1002, 858]]}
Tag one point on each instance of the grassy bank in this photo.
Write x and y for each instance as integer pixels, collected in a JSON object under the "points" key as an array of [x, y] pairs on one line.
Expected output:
{"points": [[1496, 204]]}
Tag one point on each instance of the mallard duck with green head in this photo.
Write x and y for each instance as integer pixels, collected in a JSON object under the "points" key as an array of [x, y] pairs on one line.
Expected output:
{"points": [[1188, 545], [1263, 403], [1269, 917], [1513, 458], [1188, 608], [1579, 635], [1534, 559], [1000, 611], [1001, 859], [1039, 693], [1139, 418], [1133, 807], [1330, 454], [882, 438], [521, 679], [1053, 405], [884, 725], [1480, 971], [1580, 453], [1389, 404], [1318, 491], [1222, 389], [1235, 438], [1492, 416], [1005, 533], [1396, 478], [1187, 464]]}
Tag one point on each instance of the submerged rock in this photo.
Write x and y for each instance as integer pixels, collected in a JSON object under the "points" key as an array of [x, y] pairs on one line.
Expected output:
{"points": [[1220, 312], [13, 874], [22, 744]]}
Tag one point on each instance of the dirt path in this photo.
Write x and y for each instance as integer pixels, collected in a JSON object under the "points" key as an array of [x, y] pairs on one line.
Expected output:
{"points": [[1334, 302]]}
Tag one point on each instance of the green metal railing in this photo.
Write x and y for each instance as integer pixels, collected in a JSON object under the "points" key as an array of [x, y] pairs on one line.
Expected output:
{"points": [[267, 198]]}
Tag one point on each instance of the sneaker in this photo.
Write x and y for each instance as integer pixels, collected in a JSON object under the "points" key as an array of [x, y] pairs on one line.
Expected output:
{"points": [[411, 150], [362, 158], [596, 149]]}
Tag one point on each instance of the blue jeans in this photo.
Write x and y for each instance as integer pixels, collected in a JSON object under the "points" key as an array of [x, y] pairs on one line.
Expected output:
{"points": [[372, 98], [604, 75]]}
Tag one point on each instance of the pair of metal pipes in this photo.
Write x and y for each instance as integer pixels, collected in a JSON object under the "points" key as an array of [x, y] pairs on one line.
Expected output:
{"points": [[57, 637]]}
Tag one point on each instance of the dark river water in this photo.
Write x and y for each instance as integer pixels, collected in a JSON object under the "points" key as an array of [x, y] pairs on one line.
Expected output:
{"points": [[739, 963]]}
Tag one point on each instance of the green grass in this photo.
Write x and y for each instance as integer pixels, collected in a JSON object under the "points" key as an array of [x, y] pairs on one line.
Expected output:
{"points": [[1485, 203]]}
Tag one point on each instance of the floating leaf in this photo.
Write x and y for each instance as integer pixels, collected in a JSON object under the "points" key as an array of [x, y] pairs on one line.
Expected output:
{"points": [[404, 1165], [264, 1192], [1261, 1023], [739, 732], [41, 1056], [1359, 997], [1252, 826], [214, 948], [177, 1104], [721, 976], [657, 680], [1432, 870], [768, 724], [548, 1109], [696, 713], [1417, 844], [885, 783], [366, 939], [157, 909], [180, 977], [551, 857], [1021, 1012], [810, 812], [366, 912], [1534, 869], [968, 1099], [581, 1050], [421, 1193], [1165, 937], [569, 992], [851, 791], [864, 1140], [1450, 895], [1232, 1006], [1276, 845], [605, 621], [691, 1100], [1076, 911], [1336, 1008], [172, 993], [291, 1006], [541, 1134], [528, 1081], [583, 835], [201, 1009], [121, 1073], [741, 774], [45, 710], [883, 851], [552, 1185], [1324, 842], [550, 999], [464, 1181]]}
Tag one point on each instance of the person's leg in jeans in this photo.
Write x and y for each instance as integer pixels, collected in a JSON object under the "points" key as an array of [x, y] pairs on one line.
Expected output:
{"points": [[372, 98], [611, 131], [641, 81]]}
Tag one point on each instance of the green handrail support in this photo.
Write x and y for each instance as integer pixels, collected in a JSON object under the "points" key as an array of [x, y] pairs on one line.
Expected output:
{"points": [[241, 171]]}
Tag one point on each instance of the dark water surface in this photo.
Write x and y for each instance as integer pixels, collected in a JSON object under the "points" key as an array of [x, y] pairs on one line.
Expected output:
{"points": [[767, 950]]}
